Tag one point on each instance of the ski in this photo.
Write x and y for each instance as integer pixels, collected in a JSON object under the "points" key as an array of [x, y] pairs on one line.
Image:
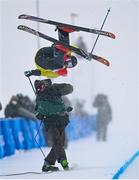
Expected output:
{"points": [[78, 51], [63, 25]]}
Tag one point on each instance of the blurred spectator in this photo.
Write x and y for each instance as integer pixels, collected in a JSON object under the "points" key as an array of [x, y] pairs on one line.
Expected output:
{"points": [[79, 108], [0, 106], [81, 44], [104, 116], [26, 102], [66, 101], [20, 106]]}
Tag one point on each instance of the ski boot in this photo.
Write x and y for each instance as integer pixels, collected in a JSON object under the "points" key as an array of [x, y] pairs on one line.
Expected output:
{"points": [[47, 167], [64, 164]]}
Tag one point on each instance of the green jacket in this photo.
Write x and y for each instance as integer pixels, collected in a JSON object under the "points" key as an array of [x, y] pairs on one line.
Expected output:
{"points": [[48, 108]]}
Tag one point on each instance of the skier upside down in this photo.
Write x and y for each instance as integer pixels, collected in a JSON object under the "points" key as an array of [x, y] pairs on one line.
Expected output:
{"points": [[53, 61], [51, 109]]}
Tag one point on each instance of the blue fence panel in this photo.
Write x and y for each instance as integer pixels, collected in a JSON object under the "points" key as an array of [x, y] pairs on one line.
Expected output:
{"points": [[40, 126], [33, 130], [23, 133], [85, 129], [72, 130], [25, 127], [92, 122], [80, 127], [17, 133], [37, 134], [2, 142], [9, 147]]}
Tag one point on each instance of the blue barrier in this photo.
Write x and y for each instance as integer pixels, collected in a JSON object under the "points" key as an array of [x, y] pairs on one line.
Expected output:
{"points": [[25, 127], [42, 141], [80, 127], [37, 133], [34, 131], [19, 133], [2, 142], [73, 129], [9, 147]]}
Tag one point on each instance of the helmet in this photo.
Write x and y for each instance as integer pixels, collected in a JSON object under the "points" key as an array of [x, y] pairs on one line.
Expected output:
{"points": [[47, 82], [72, 62], [40, 85]]}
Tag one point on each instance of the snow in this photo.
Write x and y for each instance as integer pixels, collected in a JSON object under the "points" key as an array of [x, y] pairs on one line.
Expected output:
{"points": [[119, 81], [92, 160]]}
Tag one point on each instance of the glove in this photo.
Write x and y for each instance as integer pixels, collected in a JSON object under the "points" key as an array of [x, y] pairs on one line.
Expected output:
{"points": [[28, 73], [39, 116], [69, 109]]}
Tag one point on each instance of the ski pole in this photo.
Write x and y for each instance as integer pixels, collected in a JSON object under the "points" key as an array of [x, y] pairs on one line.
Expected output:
{"points": [[40, 123], [100, 29], [32, 85], [36, 140]]}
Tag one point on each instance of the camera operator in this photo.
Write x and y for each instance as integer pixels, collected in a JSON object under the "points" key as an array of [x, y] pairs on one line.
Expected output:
{"points": [[52, 110]]}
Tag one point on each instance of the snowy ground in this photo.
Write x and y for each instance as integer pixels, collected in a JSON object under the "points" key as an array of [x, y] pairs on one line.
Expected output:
{"points": [[93, 160]]}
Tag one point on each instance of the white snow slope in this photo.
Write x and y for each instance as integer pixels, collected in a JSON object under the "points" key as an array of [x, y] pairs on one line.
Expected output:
{"points": [[93, 160]]}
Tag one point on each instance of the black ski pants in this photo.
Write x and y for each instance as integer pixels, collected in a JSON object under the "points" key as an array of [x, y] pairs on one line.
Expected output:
{"points": [[57, 151]]}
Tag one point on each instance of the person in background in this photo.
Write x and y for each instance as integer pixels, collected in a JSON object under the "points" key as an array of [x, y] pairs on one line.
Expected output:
{"points": [[20, 106], [79, 110], [104, 116], [0, 106], [81, 44], [52, 111]]}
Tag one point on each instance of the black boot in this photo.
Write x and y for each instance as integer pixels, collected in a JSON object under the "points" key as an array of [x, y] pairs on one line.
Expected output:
{"points": [[47, 167]]}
